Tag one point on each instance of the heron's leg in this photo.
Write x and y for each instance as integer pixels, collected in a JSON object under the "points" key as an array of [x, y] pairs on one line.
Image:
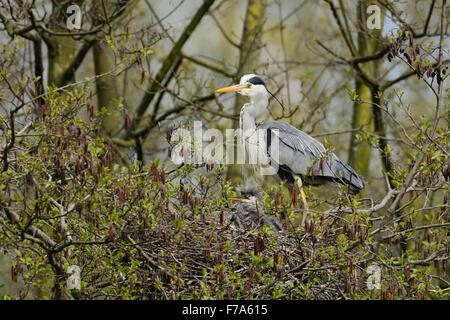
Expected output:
{"points": [[302, 194]]}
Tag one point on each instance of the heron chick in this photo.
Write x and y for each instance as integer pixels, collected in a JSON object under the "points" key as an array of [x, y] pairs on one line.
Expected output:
{"points": [[250, 211]]}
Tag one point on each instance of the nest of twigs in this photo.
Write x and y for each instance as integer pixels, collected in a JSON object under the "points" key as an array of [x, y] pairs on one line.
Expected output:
{"points": [[237, 253]]}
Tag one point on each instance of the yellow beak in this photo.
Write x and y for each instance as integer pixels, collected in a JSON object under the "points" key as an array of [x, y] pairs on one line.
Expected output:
{"points": [[233, 88], [235, 199]]}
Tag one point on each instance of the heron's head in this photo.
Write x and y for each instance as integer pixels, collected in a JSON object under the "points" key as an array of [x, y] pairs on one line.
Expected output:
{"points": [[250, 85], [247, 192], [243, 198]]}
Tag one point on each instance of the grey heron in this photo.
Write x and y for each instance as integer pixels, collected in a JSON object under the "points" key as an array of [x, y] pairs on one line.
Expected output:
{"points": [[300, 158]]}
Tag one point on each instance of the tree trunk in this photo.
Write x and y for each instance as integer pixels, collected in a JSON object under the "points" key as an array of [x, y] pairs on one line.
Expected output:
{"points": [[364, 111], [107, 89], [360, 151], [61, 53]]}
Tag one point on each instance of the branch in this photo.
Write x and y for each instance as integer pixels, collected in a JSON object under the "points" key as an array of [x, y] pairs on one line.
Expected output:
{"points": [[341, 28], [70, 71], [427, 22], [420, 157], [164, 85], [32, 231], [368, 80], [12, 29], [371, 57], [208, 65], [144, 131], [223, 31], [428, 226], [406, 75], [170, 60]]}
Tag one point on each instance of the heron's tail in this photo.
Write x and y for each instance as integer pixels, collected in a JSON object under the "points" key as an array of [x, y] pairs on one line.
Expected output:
{"points": [[349, 177]]}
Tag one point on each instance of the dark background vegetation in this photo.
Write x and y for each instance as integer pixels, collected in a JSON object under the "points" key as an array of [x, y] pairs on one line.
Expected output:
{"points": [[85, 123]]}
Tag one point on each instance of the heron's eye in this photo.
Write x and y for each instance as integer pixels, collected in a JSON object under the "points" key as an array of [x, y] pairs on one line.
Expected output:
{"points": [[249, 85]]}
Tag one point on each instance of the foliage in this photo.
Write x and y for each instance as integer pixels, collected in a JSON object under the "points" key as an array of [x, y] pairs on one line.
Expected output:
{"points": [[70, 197], [147, 233]]}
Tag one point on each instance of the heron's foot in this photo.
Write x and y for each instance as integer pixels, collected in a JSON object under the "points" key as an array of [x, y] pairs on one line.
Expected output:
{"points": [[299, 184], [305, 205]]}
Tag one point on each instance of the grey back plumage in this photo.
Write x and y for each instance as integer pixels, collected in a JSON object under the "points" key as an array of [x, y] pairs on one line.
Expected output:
{"points": [[301, 154]]}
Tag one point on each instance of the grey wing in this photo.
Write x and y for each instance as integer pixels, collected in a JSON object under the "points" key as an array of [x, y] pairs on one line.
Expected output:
{"points": [[297, 150], [302, 154]]}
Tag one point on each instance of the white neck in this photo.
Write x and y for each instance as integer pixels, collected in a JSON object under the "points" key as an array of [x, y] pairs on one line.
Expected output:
{"points": [[258, 103], [249, 138]]}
